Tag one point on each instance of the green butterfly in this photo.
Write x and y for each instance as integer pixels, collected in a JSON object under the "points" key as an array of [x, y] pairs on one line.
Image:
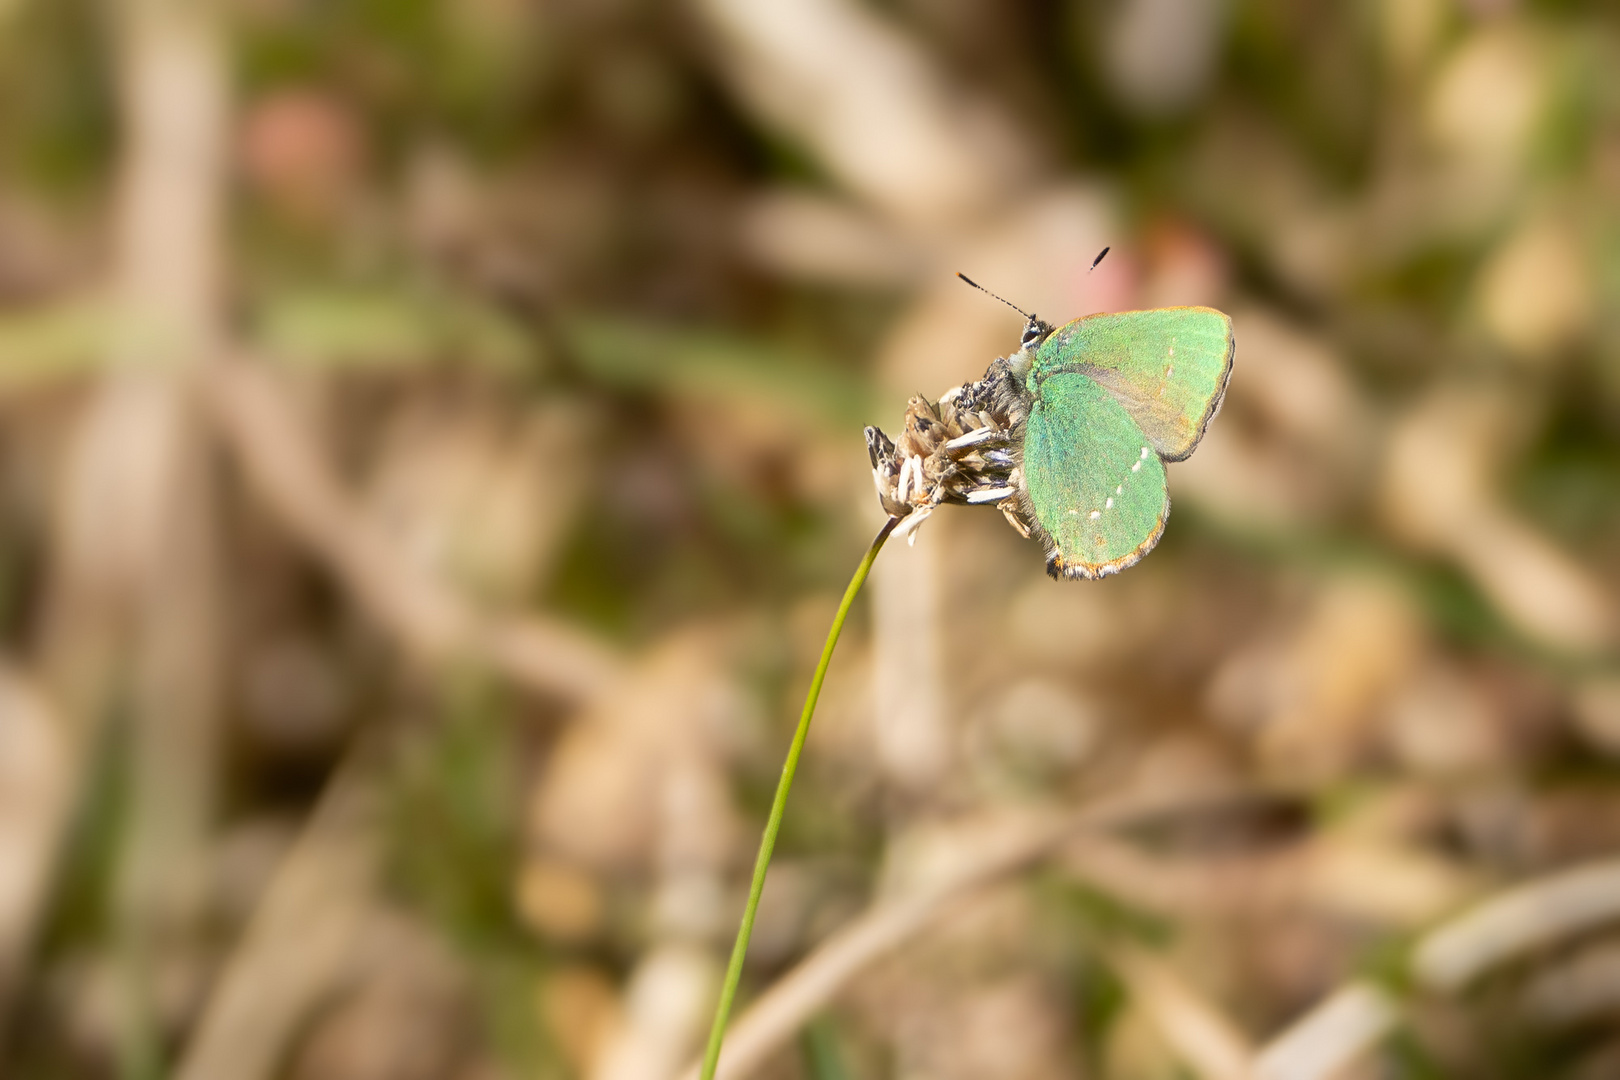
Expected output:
{"points": [[1108, 399]]}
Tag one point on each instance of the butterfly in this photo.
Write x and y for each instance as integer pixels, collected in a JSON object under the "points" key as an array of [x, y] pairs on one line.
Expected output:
{"points": [[1107, 400]]}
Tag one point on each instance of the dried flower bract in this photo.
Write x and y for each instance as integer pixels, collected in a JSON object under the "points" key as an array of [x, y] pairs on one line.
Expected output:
{"points": [[964, 448]]}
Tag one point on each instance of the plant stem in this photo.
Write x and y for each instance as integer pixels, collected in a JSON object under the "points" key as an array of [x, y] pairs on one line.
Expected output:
{"points": [[773, 824]]}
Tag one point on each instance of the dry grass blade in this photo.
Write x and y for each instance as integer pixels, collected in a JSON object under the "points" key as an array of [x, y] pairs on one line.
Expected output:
{"points": [[1517, 921], [130, 621], [1507, 926], [1584, 987], [843, 82], [1201, 1036], [301, 943], [432, 621], [990, 852], [35, 799], [1329, 1037]]}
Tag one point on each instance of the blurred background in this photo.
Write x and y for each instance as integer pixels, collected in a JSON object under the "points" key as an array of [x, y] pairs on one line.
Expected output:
{"points": [[430, 456]]}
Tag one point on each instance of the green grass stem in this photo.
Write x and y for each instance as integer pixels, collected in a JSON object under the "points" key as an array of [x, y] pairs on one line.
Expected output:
{"points": [[773, 824]]}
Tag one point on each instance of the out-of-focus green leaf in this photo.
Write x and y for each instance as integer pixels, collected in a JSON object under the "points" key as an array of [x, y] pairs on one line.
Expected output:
{"points": [[383, 328], [686, 361]]}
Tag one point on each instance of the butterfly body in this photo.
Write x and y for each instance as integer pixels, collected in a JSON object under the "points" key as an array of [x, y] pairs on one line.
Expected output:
{"points": [[1105, 401]]}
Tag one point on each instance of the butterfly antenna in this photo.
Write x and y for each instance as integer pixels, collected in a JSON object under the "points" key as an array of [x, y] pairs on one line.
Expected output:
{"points": [[1097, 260], [987, 292]]}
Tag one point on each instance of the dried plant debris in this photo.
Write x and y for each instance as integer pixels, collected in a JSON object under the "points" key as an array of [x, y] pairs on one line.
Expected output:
{"points": [[962, 449], [401, 694]]}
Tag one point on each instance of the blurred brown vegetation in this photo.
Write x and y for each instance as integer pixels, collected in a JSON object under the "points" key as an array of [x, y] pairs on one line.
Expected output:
{"points": [[430, 455]]}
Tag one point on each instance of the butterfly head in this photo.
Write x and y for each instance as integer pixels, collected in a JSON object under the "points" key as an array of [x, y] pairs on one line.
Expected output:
{"points": [[1035, 331]]}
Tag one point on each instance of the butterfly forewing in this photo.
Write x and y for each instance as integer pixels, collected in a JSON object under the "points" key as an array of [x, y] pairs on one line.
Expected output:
{"points": [[1167, 367], [1095, 485]]}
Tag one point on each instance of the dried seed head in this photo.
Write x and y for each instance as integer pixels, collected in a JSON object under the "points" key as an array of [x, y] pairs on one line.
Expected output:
{"points": [[964, 448]]}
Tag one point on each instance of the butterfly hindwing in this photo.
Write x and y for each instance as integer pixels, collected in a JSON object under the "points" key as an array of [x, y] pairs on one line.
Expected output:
{"points": [[1094, 484], [1167, 367]]}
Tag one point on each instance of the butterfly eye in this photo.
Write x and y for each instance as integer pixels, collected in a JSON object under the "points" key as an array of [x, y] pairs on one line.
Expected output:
{"points": [[1034, 330]]}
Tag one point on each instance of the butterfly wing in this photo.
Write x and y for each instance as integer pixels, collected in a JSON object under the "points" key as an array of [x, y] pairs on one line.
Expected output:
{"points": [[1167, 367], [1092, 481]]}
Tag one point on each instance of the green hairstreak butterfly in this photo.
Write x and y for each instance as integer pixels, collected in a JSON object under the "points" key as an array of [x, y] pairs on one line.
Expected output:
{"points": [[1106, 400]]}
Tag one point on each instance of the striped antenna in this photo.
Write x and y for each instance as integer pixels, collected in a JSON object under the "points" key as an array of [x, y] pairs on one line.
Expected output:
{"points": [[987, 292]]}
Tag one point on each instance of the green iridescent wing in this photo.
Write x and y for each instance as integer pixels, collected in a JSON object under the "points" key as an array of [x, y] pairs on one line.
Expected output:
{"points": [[1093, 483], [1167, 367]]}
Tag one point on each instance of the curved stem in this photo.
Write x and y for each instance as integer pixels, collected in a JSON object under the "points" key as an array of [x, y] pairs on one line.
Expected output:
{"points": [[773, 824]]}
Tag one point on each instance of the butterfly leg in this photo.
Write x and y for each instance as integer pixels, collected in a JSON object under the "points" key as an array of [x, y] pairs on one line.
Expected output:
{"points": [[1015, 517]]}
